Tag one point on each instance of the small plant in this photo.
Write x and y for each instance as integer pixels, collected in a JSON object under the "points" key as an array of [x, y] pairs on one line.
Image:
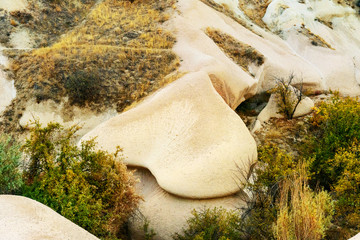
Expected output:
{"points": [[211, 224], [89, 187], [288, 96], [10, 174], [149, 233], [303, 214]]}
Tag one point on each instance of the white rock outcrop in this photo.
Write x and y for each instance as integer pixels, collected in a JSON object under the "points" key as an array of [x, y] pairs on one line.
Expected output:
{"points": [[13, 5], [187, 136], [272, 109], [199, 52], [330, 23], [7, 88], [22, 218]]}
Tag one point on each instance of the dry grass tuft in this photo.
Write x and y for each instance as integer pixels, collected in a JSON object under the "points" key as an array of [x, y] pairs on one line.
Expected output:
{"points": [[241, 53], [303, 214], [315, 39], [126, 24], [255, 10], [50, 19]]}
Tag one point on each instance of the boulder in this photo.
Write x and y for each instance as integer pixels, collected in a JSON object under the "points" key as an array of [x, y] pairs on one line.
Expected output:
{"points": [[22, 218], [187, 136], [167, 213], [272, 109]]}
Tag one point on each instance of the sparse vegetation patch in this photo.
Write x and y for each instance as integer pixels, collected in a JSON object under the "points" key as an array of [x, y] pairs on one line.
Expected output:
{"points": [[239, 52], [117, 56], [255, 10]]}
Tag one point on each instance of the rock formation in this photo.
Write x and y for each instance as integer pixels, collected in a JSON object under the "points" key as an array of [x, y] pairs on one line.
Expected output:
{"points": [[190, 140], [25, 219]]}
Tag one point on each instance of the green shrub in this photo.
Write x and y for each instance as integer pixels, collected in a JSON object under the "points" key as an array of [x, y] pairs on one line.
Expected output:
{"points": [[211, 224], [267, 209], [336, 125], [274, 164], [10, 174], [89, 187]]}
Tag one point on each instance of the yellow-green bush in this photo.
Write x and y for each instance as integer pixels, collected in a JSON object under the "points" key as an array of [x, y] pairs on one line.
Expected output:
{"points": [[303, 214], [274, 164], [345, 168], [89, 187], [211, 224], [255, 221], [336, 125]]}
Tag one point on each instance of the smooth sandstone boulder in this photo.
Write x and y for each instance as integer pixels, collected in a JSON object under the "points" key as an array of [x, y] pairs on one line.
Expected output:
{"points": [[272, 109], [22, 218], [187, 136], [167, 213]]}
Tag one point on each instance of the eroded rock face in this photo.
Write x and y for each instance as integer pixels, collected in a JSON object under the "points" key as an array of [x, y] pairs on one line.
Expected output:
{"points": [[187, 136], [167, 213], [323, 33], [199, 52], [25, 219]]}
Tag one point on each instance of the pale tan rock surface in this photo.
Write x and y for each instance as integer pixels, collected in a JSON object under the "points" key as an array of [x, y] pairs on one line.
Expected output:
{"points": [[13, 5], [336, 25], [272, 109], [167, 213], [25, 219], [49, 111], [7, 88], [199, 52], [186, 135], [356, 237]]}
